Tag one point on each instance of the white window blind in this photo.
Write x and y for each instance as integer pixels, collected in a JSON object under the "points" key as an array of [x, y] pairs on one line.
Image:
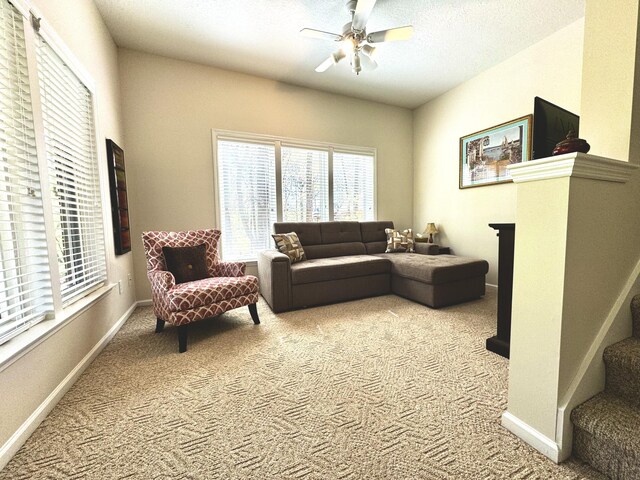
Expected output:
{"points": [[25, 292], [247, 196], [305, 185], [353, 187], [67, 111]]}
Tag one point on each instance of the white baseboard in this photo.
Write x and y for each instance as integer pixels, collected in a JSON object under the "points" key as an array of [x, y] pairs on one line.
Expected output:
{"points": [[144, 303], [490, 285], [530, 435], [11, 447]]}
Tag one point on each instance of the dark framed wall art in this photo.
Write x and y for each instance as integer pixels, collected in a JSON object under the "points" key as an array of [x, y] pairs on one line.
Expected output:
{"points": [[485, 155], [119, 201]]}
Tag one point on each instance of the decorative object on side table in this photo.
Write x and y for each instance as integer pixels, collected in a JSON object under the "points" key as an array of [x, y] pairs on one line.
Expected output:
{"points": [[571, 144], [430, 230], [485, 155], [119, 202]]}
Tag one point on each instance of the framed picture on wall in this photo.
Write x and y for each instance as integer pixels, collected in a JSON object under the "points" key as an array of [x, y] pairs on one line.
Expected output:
{"points": [[485, 155], [119, 200]]}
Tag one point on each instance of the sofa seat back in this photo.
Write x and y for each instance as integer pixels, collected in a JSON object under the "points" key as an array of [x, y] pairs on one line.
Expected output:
{"points": [[334, 268], [337, 239], [374, 236]]}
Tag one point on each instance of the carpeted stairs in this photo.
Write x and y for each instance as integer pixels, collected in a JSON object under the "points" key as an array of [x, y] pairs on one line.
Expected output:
{"points": [[606, 428]]}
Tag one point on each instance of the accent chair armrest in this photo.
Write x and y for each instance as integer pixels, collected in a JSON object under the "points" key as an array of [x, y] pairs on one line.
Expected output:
{"points": [[230, 269], [426, 248], [161, 281], [274, 274]]}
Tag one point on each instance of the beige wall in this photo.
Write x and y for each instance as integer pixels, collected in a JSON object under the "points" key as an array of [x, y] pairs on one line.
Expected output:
{"points": [[171, 106], [29, 380], [564, 311], [614, 103], [550, 69]]}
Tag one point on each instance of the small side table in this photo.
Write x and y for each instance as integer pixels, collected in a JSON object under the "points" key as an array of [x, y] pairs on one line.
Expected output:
{"points": [[444, 251]]}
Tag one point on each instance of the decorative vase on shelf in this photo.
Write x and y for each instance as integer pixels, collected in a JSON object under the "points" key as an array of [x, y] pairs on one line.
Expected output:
{"points": [[571, 144]]}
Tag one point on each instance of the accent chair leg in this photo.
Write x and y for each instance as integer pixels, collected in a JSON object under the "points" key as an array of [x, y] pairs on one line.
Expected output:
{"points": [[253, 310], [182, 338], [159, 325]]}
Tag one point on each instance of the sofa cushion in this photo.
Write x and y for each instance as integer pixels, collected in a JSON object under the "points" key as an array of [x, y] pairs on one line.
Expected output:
{"points": [[210, 290], [323, 269], [289, 244], [335, 250], [340, 232], [375, 247], [374, 231], [308, 232], [374, 236], [435, 269]]}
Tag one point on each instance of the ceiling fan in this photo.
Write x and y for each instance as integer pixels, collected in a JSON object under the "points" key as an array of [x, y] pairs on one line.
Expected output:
{"points": [[354, 40]]}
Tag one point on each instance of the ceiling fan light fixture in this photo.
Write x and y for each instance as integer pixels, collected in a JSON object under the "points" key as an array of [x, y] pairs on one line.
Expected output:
{"points": [[354, 41], [369, 51], [347, 46], [355, 63], [337, 56]]}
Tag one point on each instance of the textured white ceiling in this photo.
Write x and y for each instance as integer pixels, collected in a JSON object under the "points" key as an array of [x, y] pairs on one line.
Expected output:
{"points": [[454, 40]]}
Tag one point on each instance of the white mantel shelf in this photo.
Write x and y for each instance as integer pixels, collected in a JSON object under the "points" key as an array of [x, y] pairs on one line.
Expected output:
{"points": [[581, 165]]}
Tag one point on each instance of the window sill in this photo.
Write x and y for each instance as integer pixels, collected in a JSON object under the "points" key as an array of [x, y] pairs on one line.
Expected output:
{"points": [[28, 340]]}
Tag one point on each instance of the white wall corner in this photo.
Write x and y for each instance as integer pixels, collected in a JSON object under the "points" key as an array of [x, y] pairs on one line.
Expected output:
{"points": [[533, 437], [575, 164], [20, 436]]}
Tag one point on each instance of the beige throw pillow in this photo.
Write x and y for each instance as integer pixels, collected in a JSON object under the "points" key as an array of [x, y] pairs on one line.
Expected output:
{"points": [[289, 244], [399, 241]]}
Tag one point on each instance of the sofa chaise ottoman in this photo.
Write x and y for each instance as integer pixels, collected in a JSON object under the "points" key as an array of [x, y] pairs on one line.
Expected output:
{"points": [[346, 261]]}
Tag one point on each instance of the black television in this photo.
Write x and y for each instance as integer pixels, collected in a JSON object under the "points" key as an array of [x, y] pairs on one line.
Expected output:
{"points": [[551, 124]]}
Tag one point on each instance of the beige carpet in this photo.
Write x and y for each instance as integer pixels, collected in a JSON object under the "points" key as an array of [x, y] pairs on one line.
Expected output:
{"points": [[381, 388]]}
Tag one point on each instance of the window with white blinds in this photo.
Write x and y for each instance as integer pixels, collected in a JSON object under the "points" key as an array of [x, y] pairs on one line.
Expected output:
{"points": [[67, 112], [305, 185], [25, 282], [247, 197], [262, 179], [353, 186]]}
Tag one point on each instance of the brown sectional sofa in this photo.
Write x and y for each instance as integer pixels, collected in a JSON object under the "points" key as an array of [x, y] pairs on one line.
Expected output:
{"points": [[346, 260]]}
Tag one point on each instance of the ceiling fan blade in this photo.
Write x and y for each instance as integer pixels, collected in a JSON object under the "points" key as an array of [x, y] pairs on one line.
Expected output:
{"points": [[391, 35], [313, 33], [332, 60], [361, 15], [324, 66]]}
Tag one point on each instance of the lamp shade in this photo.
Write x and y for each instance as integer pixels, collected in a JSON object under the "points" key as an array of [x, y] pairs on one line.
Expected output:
{"points": [[430, 229]]}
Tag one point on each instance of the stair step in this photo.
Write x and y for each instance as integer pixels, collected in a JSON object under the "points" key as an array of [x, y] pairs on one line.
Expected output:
{"points": [[606, 436], [635, 313], [622, 362]]}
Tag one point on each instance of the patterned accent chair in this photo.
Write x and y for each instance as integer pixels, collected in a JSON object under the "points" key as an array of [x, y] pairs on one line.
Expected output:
{"points": [[181, 304]]}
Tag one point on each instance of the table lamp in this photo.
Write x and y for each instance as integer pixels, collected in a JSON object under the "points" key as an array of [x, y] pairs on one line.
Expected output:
{"points": [[430, 230]]}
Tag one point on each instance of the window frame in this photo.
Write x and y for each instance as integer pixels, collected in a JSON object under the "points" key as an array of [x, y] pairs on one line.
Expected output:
{"points": [[62, 312], [279, 142]]}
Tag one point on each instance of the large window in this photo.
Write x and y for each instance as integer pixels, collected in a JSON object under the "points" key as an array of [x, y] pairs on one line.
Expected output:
{"points": [[25, 286], [248, 201], [353, 187], [51, 227], [261, 180], [67, 113], [305, 185]]}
